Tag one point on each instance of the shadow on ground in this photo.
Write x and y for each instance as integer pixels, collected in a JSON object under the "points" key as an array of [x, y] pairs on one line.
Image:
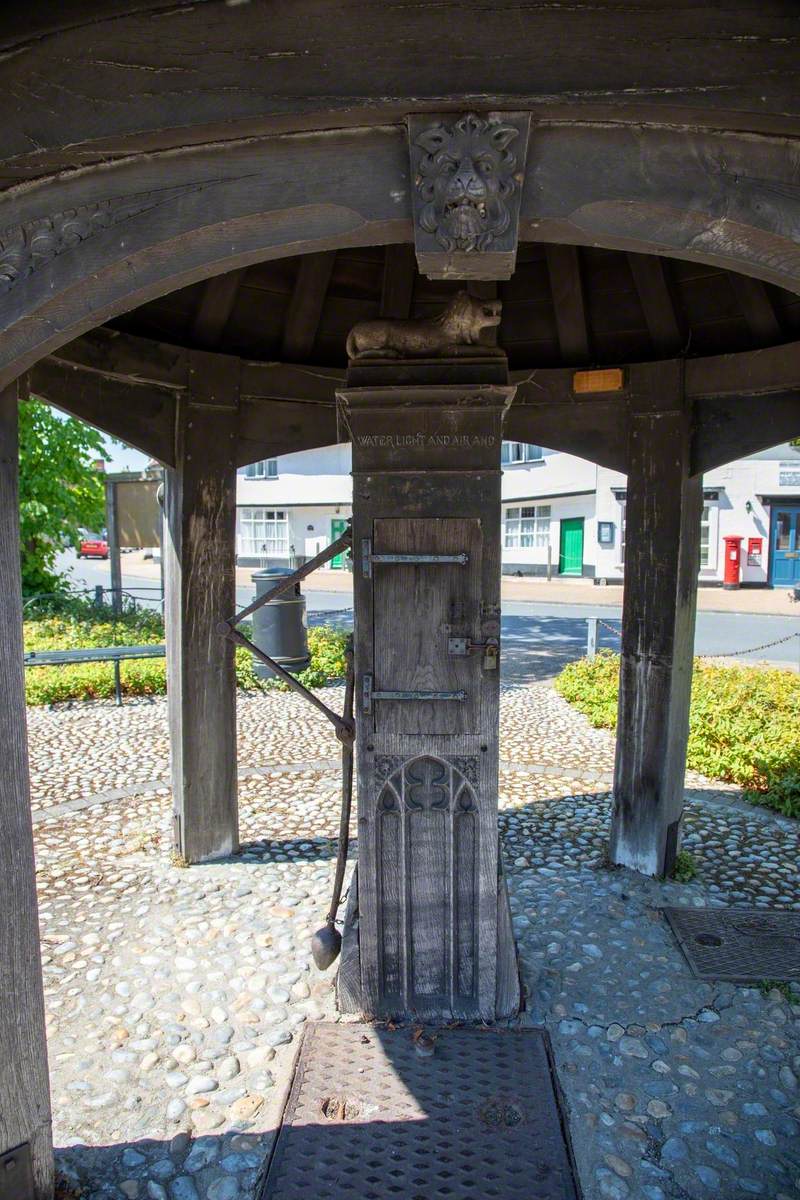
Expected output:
{"points": [[533, 648]]}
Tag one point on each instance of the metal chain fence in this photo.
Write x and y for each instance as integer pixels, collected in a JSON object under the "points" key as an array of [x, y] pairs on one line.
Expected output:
{"points": [[598, 623]]}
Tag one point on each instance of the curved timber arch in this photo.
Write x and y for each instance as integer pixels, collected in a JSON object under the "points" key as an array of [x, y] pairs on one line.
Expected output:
{"points": [[80, 249]]}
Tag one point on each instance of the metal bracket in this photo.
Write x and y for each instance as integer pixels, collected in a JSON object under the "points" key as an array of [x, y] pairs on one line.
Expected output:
{"points": [[368, 695], [418, 560], [16, 1174]]}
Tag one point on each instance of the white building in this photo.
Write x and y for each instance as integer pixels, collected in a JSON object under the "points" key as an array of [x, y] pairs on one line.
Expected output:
{"points": [[560, 513], [289, 508]]}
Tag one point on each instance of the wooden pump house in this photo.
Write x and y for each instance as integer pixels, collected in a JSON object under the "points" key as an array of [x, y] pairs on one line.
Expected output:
{"points": [[198, 204]]}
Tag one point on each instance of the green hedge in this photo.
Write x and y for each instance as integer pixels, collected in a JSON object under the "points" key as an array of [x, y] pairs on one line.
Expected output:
{"points": [[744, 724], [145, 677]]}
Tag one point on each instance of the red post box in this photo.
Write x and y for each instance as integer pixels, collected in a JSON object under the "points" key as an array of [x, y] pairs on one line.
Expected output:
{"points": [[733, 562]]}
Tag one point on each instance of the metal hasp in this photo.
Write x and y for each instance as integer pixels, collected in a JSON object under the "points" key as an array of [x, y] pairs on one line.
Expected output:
{"points": [[395, 1114], [462, 647], [427, 932], [16, 1174], [437, 560]]}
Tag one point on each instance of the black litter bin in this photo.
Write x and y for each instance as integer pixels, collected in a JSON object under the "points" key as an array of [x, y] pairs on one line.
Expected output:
{"points": [[279, 627]]}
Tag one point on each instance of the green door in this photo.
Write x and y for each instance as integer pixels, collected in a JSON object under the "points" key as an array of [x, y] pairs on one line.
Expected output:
{"points": [[570, 553], [338, 526]]}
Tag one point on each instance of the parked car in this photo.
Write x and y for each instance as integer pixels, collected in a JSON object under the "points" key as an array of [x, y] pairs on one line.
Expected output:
{"points": [[93, 545]]}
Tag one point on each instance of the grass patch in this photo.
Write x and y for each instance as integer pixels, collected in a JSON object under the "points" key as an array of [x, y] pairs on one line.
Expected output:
{"points": [[765, 986], [685, 869], [82, 625], [744, 724]]}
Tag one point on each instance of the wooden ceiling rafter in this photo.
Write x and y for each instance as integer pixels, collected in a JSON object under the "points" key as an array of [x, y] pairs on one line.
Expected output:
{"points": [[652, 286], [757, 309], [569, 306], [306, 304], [399, 271], [566, 305], [216, 305]]}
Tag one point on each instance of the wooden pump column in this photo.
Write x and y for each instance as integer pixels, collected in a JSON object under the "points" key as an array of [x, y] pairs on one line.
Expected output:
{"points": [[662, 560], [428, 932], [200, 557]]}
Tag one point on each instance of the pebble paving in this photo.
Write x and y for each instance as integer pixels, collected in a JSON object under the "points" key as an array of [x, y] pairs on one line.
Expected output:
{"points": [[175, 996]]}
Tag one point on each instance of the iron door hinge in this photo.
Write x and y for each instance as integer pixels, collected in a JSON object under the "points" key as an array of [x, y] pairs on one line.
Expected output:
{"points": [[368, 695], [418, 560]]}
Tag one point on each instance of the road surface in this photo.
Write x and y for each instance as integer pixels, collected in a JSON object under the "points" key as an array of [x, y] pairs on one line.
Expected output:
{"points": [[538, 637]]}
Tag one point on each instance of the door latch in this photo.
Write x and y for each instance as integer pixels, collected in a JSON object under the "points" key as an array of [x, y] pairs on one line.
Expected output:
{"points": [[462, 647]]}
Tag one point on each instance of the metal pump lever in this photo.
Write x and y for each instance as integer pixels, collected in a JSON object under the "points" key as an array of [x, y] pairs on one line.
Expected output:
{"points": [[344, 726], [326, 942]]}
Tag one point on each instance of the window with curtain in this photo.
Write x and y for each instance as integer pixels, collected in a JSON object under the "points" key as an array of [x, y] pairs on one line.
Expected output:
{"points": [[527, 525], [263, 531]]}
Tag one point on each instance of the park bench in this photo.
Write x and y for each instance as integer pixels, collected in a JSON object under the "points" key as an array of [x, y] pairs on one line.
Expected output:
{"points": [[89, 654]]}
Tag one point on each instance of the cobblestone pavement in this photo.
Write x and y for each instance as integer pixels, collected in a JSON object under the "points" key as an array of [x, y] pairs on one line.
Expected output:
{"points": [[175, 996]]}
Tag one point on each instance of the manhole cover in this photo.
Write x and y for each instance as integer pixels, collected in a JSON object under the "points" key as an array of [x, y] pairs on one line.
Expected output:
{"points": [[742, 945], [368, 1118]]}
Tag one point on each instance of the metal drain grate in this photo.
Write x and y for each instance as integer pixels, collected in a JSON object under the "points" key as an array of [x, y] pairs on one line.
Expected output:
{"points": [[370, 1118], [738, 944]]}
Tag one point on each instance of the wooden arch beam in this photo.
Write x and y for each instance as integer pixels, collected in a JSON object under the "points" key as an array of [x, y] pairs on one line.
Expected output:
{"points": [[140, 414], [78, 249], [743, 403], [128, 386], [652, 68]]}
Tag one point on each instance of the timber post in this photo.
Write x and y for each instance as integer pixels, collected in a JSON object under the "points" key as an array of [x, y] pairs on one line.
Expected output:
{"points": [[25, 1122], [114, 555], [662, 560], [200, 559]]}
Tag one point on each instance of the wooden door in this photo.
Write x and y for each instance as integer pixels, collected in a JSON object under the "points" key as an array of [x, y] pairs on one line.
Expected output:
{"points": [[570, 555], [416, 609], [338, 526], [785, 570]]}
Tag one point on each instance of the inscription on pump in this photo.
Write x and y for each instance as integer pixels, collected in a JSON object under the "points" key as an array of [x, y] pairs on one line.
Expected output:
{"points": [[402, 440]]}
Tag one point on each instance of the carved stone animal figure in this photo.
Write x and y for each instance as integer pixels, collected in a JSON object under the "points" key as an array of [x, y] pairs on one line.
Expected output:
{"points": [[452, 332]]}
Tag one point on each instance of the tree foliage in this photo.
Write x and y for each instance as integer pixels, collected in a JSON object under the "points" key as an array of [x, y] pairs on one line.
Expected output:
{"points": [[59, 490]]}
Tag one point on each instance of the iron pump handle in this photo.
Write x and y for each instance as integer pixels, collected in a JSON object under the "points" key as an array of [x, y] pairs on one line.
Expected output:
{"points": [[344, 726], [326, 944]]}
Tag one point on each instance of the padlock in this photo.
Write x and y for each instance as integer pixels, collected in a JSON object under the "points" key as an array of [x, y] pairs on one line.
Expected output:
{"points": [[490, 654]]}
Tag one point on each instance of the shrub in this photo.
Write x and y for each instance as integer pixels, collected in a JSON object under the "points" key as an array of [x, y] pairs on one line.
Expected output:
{"points": [[84, 626], [744, 724]]}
